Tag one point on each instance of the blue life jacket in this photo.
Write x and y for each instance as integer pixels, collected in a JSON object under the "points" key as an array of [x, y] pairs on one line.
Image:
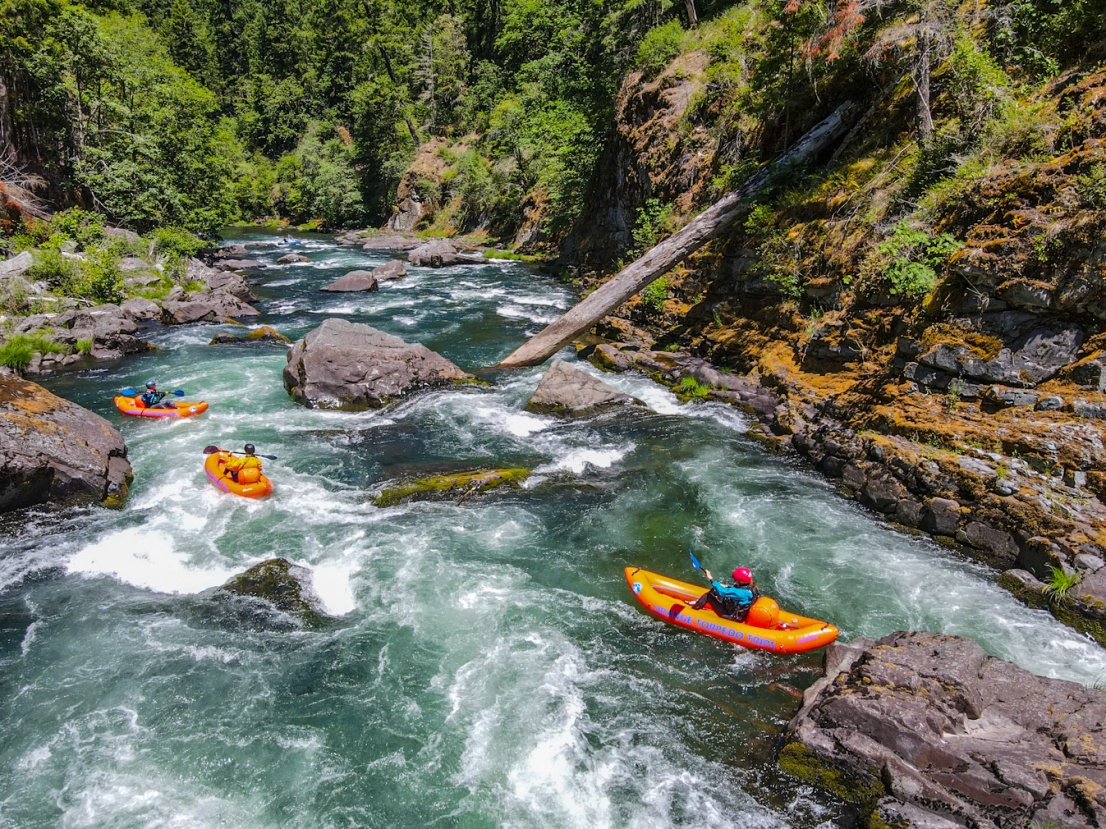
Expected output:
{"points": [[743, 597]]}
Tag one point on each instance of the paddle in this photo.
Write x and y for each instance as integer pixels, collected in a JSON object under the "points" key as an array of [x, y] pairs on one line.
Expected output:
{"points": [[129, 392], [210, 450], [695, 563]]}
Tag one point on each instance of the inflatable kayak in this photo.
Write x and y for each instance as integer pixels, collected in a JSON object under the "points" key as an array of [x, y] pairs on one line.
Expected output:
{"points": [[214, 467], [766, 627], [179, 408]]}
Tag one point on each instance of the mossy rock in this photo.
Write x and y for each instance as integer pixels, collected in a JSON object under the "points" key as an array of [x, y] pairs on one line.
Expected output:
{"points": [[863, 790], [281, 584], [460, 485]]}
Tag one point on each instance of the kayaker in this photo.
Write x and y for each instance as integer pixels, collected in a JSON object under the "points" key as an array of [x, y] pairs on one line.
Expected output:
{"points": [[151, 398], [238, 467], [730, 601]]}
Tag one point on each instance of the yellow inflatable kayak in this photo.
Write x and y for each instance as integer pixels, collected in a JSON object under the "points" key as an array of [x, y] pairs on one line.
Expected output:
{"points": [[178, 408], [766, 628], [215, 465]]}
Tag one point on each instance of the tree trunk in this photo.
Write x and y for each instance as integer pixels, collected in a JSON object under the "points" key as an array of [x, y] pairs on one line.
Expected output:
{"points": [[692, 15], [657, 261], [921, 81]]}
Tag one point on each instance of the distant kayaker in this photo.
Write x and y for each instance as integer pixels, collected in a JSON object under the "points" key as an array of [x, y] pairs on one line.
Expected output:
{"points": [[730, 601], [246, 468], [151, 398]]}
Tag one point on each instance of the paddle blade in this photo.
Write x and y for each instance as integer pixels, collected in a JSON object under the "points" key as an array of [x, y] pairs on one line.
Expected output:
{"points": [[211, 450], [266, 457], [694, 561], [129, 392], [177, 393]]}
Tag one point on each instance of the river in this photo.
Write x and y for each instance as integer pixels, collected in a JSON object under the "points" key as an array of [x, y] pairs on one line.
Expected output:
{"points": [[486, 664]]}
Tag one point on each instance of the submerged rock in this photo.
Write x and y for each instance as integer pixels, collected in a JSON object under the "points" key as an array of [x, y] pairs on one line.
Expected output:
{"points": [[261, 334], [54, 451], [345, 365], [457, 486], [927, 730], [281, 585], [570, 392]]}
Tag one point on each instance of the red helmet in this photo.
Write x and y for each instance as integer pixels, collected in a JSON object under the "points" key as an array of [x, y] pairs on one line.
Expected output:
{"points": [[742, 575]]}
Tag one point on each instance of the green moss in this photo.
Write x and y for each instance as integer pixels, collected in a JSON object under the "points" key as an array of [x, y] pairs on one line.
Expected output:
{"points": [[459, 485], [274, 582], [801, 763]]}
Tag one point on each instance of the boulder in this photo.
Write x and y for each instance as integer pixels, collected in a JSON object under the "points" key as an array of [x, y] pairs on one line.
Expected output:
{"points": [[292, 259], [569, 392], [390, 242], [137, 308], [353, 281], [441, 254], [389, 270], [217, 306], [927, 730], [273, 589], [16, 265], [345, 365], [54, 451], [239, 265], [213, 280], [458, 486]]}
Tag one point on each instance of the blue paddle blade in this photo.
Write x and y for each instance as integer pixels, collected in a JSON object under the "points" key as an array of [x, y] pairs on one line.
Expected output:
{"points": [[128, 391], [177, 393], [694, 561]]}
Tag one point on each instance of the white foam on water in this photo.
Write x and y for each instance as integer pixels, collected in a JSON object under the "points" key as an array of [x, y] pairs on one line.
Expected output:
{"points": [[577, 460], [333, 584], [144, 559], [522, 312]]}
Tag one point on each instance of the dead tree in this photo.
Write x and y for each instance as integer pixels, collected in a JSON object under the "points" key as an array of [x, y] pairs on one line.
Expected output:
{"points": [[657, 261]]}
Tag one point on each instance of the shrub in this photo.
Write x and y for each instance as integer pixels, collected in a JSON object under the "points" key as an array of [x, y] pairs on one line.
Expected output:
{"points": [[82, 226], [99, 278], [654, 295], [652, 220], [176, 242], [1091, 187], [51, 267], [913, 258], [659, 47], [689, 388]]}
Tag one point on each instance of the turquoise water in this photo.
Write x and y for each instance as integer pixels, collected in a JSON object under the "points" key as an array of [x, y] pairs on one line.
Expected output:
{"points": [[485, 664]]}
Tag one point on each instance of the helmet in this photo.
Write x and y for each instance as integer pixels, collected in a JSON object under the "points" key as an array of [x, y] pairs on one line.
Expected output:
{"points": [[151, 383], [742, 575], [248, 448]]}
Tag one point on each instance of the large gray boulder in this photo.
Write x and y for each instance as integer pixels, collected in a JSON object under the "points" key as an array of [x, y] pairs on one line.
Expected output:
{"points": [[569, 392], [54, 451], [17, 264], [345, 365], [927, 730], [213, 280], [274, 595], [440, 253], [214, 306], [352, 282]]}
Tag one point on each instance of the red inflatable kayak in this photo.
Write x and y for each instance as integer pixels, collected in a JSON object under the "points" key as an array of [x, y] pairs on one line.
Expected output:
{"points": [[134, 407], [215, 465], [766, 628]]}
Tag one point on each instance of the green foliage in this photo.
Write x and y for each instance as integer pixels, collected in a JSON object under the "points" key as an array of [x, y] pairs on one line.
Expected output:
{"points": [[659, 47], [1091, 186], [1060, 584], [17, 351], [690, 388], [175, 243], [82, 226], [1040, 36], [84, 346], [51, 267], [913, 256], [99, 278], [653, 219], [318, 181], [655, 295]]}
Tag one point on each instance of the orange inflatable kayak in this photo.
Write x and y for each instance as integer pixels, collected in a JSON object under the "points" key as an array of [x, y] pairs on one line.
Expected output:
{"points": [[179, 408], [766, 628], [214, 467]]}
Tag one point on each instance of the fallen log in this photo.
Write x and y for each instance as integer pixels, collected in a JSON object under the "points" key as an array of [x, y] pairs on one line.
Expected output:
{"points": [[660, 259]]}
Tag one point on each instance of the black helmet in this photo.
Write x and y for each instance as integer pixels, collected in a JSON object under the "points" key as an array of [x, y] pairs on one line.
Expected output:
{"points": [[248, 448]]}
